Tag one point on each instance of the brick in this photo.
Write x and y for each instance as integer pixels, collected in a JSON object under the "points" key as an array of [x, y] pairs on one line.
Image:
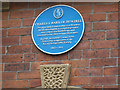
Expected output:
{"points": [[102, 80], [94, 36], [21, 14], [79, 81], [98, 17], [4, 32], [75, 55], [96, 53], [29, 75], [103, 62], [15, 84], [17, 67], [19, 49], [88, 27], [111, 71], [26, 40], [62, 57], [104, 44], [17, 5], [106, 8], [28, 22], [4, 15], [83, 45], [93, 87], [113, 16], [1, 67], [3, 50], [35, 49], [34, 4], [45, 57], [0, 84], [105, 25], [10, 41], [11, 23], [112, 34], [80, 63], [115, 52], [86, 71], [35, 65], [19, 31], [8, 75], [29, 57], [38, 11], [34, 83], [107, 87], [84, 8], [12, 58], [86, 17], [47, 4]]}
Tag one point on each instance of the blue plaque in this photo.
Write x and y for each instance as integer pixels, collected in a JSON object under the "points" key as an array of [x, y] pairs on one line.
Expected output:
{"points": [[57, 29]]}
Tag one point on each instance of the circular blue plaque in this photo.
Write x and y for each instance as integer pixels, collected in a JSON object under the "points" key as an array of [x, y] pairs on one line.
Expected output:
{"points": [[57, 29]]}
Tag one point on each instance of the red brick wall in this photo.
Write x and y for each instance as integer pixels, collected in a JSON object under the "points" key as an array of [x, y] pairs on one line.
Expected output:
{"points": [[94, 60]]}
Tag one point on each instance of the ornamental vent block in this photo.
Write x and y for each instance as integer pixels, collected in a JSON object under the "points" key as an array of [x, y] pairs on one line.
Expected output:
{"points": [[54, 75]]}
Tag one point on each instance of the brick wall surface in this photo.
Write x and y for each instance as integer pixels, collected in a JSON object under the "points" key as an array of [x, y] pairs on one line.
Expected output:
{"points": [[94, 60]]}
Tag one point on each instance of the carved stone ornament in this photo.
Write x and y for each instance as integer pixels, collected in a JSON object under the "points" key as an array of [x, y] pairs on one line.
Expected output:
{"points": [[55, 75]]}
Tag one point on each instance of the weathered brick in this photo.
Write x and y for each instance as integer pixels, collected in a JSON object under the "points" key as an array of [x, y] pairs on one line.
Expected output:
{"points": [[35, 49], [107, 87], [86, 17], [93, 87], [19, 49], [29, 57], [84, 8], [3, 50], [35, 65], [34, 4], [12, 58], [28, 22], [18, 5], [94, 36], [47, 4], [19, 31], [105, 25], [111, 71], [98, 17], [79, 81], [83, 45], [80, 63], [29, 75], [112, 34], [8, 75], [86, 71], [4, 32], [106, 8], [1, 67], [102, 80], [88, 27], [103, 62], [62, 57], [11, 23], [26, 40], [21, 14], [95, 53], [38, 11], [34, 83], [17, 67], [10, 41], [75, 55], [4, 15], [104, 44], [113, 16], [15, 84], [45, 57], [115, 52]]}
